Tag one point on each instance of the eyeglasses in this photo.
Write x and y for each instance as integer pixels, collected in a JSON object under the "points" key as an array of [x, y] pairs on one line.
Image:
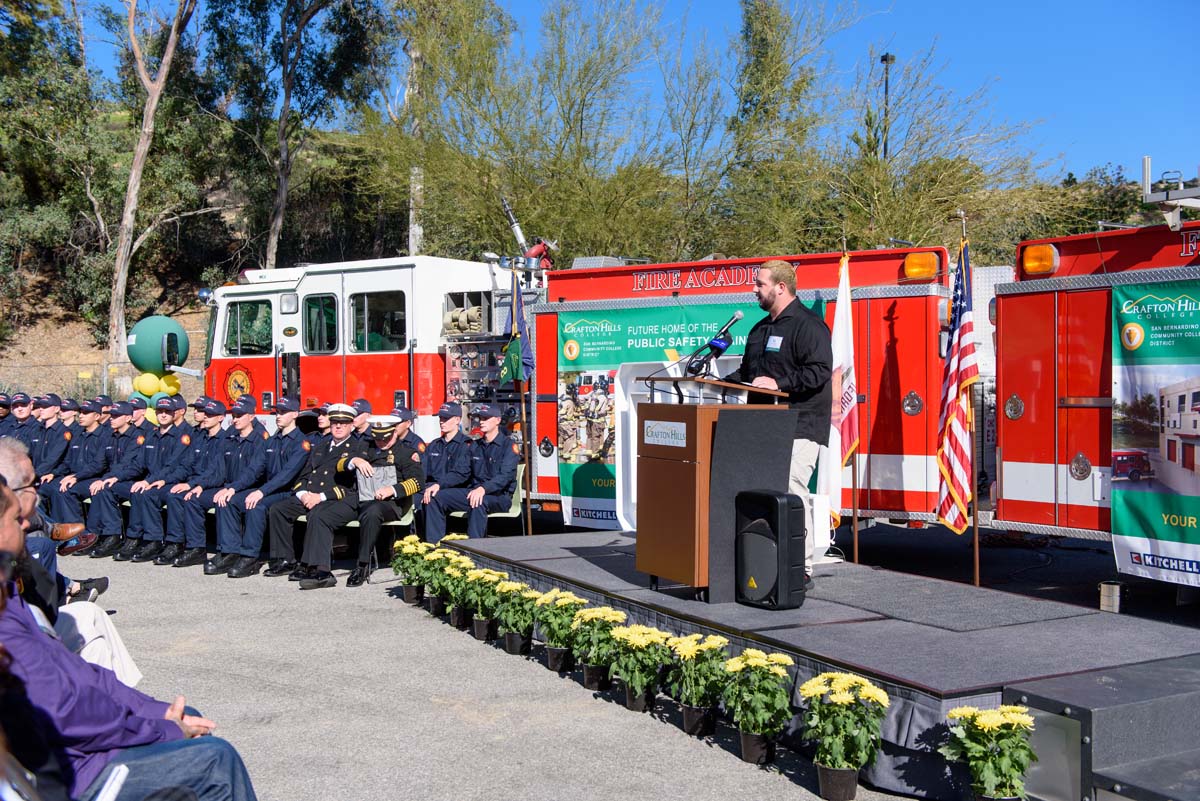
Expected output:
{"points": [[29, 486]]}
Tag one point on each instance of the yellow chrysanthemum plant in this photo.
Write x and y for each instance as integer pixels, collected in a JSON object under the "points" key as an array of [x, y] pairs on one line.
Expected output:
{"points": [[697, 672], [592, 640], [481, 595], [842, 715], [555, 612], [641, 652], [995, 745], [515, 607], [431, 568], [756, 691], [450, 581], [407, 555]]}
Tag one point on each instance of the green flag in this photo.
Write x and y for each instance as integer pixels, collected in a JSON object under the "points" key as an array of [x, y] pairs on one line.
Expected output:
{"points": [[512, 369]]}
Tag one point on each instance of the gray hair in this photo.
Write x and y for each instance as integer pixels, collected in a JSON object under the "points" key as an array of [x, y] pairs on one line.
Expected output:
{"points": [[14, 459]]}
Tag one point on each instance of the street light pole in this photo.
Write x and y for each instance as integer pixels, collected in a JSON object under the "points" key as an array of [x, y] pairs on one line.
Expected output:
{"points": [[887, 60]]}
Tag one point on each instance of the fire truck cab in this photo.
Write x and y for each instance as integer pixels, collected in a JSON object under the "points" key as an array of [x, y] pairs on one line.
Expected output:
{"points": [[399, 332]]}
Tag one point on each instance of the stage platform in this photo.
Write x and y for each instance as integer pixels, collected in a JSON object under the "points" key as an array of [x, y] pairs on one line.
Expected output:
{"points": [[932, 644]]}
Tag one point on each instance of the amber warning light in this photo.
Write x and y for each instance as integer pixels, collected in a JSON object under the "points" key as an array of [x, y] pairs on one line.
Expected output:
{"points": [[921, 266], [1039, 259]]}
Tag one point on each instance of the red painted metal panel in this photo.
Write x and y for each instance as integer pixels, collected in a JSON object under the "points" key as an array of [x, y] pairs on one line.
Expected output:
{"points": [[545, 334], [1025, 375], [1119, 251], [1084, 371], [814, 271], [229, 377]]}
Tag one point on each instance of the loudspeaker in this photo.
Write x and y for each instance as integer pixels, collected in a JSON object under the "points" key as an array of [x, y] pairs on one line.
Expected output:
{"points": [[769, 547]]}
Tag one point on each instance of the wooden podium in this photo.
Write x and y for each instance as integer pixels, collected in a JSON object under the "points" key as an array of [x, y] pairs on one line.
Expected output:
{"points": [[675, 469]]}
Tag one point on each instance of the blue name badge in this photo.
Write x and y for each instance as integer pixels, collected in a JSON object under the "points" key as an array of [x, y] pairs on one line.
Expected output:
{"points": [[774, 344]]}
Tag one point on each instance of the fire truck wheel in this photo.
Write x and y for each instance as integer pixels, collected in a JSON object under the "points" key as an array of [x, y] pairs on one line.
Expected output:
{"points": [[1135, 475]]}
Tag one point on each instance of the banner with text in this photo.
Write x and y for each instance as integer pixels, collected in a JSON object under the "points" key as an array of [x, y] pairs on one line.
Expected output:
{"points": [[1156, 428]]}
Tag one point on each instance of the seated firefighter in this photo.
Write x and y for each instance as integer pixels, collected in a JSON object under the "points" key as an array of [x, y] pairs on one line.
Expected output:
{"points": [[389, 477], [494, 459], [326, 478]]}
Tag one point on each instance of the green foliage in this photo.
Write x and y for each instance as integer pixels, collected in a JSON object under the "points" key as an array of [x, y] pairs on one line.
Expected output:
{"points": [[995, 745], [408, 559], [641, 653], [480, 594], [843, 716], [555, 611], [756, 692], [593, 640], [697, 671], [516, 609]]}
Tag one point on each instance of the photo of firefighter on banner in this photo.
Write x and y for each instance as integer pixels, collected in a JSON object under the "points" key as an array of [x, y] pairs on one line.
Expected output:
{"points": [[1156, 428]]}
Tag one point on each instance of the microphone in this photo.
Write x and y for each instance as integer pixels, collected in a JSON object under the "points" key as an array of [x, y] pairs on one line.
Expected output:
{"points": [[716, 347]]}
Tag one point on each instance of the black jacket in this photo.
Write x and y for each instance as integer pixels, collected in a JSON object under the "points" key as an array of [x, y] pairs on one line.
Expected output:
{"points": [[795, 349]]}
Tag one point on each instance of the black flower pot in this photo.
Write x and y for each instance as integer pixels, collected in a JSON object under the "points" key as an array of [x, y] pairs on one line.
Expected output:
{"points": [[640, 702], [560, 660], [484, 629], [413, 593], [517, 644], [460, 618], [595, 677], [757, 749], [699, 721], [837, 784], [436, 605]]}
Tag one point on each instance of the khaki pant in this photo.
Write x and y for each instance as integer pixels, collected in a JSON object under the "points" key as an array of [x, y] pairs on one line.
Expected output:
{"points": [[804, 460]]}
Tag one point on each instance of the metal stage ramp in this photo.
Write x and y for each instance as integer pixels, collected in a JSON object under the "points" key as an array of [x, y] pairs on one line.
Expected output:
{"points": [[934, 645]]}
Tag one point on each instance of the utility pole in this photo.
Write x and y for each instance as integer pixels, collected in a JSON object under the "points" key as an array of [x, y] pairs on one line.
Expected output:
{"points": [[887, 60]]}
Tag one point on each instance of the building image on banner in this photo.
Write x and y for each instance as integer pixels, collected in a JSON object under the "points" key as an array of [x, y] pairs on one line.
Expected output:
{"points": [[1156, 429]]}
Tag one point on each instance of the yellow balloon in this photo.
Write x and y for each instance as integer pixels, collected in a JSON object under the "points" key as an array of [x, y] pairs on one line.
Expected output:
{"points": [[169, 384], [146, 383], [152, 417]]}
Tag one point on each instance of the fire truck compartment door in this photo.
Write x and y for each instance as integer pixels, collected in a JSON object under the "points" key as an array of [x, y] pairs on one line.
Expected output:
{"points": [[1084, 401]]}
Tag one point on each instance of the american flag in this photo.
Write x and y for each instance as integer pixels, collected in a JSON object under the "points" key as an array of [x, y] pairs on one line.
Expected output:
{"points": [[954, 453]]}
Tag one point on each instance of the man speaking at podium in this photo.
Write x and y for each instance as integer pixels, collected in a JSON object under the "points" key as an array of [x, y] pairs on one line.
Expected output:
{"points": [[789, 350]]}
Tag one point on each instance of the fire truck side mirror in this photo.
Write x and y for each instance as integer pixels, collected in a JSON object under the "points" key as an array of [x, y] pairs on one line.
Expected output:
{"points": [[170, 349], [943, 343]]}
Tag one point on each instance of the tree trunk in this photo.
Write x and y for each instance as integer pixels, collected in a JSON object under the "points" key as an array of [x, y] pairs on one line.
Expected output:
{"points": [[416, 178], [117, 353], [278, 209]]}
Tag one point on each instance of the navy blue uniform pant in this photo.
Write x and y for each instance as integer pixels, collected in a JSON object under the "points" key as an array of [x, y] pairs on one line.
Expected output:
{"points": [[455, 500], [67, 507], [146, 514], [240, 530], [185, 519], [104, 515]]}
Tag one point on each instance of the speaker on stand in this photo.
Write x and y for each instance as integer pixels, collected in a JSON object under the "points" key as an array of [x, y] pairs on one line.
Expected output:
{"points": [[769, 548]]}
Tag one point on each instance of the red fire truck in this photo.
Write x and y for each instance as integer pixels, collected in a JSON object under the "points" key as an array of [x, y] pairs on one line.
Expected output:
{"points": [[1054, 376], [609, 326]]}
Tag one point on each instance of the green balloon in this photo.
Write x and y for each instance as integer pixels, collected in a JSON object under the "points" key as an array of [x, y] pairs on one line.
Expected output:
{"points": [[145, 343], [137, 394], [153, 400]]}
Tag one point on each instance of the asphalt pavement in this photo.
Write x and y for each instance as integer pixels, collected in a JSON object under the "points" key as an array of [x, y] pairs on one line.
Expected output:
{"points": [[350, 694]]}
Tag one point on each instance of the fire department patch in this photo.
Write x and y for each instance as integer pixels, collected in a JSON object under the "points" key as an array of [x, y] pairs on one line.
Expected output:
{"points": [[141, 440], [421, 447], [306, 445], [238, 382], [185, 439], [67, 436], [516, 449], [266, 436]]}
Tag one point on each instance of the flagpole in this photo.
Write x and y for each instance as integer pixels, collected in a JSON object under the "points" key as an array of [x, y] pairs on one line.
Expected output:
{"points": [[974, 488], [854, 500], [525, 435]]}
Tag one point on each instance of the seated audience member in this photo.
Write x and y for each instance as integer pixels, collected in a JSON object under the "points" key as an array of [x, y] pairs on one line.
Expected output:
{"points": [[243, 467], [388, 500], [125, 466], [326, 478], [163, 466], [187, 542], [447, 459], [242, 521], [79, 721], [494, 460]]}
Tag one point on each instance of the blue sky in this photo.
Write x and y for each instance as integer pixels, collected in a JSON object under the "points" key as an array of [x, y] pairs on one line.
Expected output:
{"points": [[1102, 81]]}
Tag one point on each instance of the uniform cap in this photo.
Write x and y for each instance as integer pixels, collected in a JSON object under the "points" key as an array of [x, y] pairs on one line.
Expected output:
{"points": [[137, 403], [486, 410], [180, 402], [283, 405], [199, 402], [47, 400], [214, 408], [449, 410], [5, 400], [104, 400], [250, 399], [20, 399], [404, 414], [91, 406], [384, 426], [70, 405], [342, 413], [121, 409], [242, 406], [162, 405], [361, 406]]}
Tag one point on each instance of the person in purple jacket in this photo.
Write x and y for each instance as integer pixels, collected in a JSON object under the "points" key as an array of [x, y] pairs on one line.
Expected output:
{"points": [[93, 722]]}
